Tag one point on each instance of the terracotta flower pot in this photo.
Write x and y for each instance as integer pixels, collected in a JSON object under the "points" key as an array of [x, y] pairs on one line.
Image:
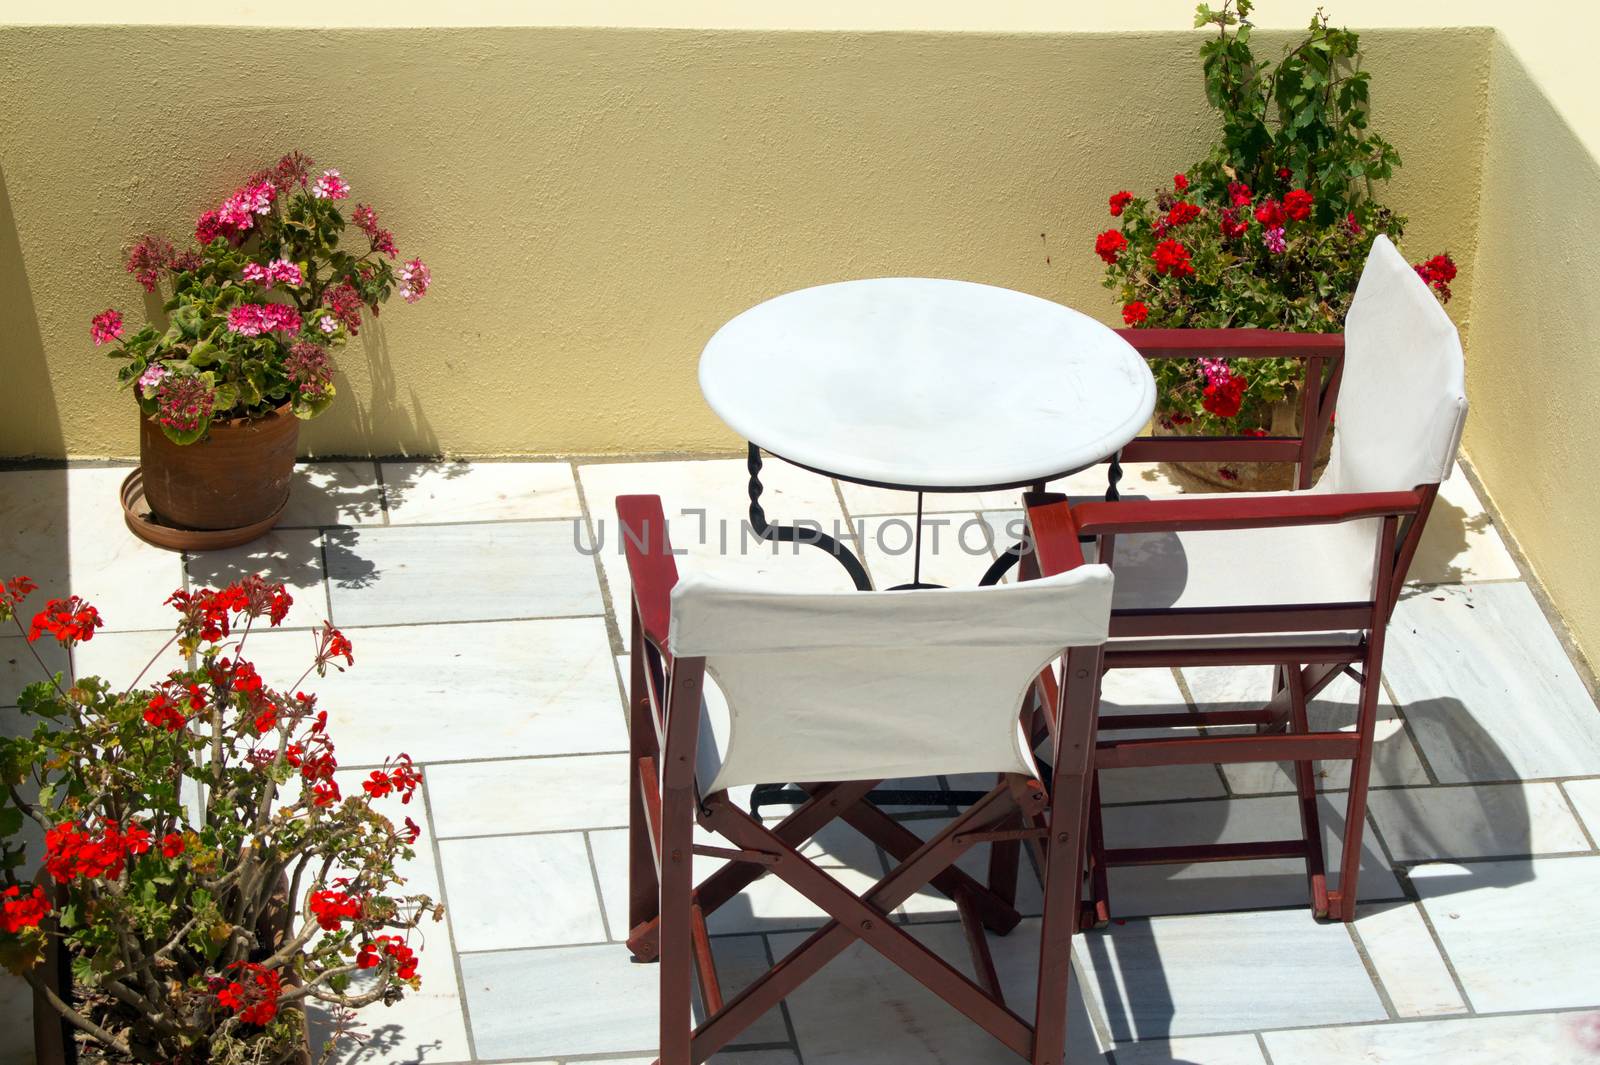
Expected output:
{"points": [[1246, 476], [236, 477]]}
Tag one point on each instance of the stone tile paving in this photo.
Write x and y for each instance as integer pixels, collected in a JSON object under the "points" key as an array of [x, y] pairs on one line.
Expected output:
{"points": [[487, 602]]}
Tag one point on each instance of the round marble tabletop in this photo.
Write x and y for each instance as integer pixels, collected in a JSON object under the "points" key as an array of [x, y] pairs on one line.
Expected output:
{"points": [[927, 385]]}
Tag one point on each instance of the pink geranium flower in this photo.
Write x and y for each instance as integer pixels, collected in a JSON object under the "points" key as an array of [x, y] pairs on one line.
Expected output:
{"points": [[151, 378], [253, 319], [330, 186], [275, 271], [414, 280], [106, 327], [237, 213]]}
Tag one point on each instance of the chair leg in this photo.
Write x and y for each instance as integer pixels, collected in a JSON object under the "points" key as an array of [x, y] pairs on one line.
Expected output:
{"points": [[1063, 890], [643, 887], [1305, 777], [677, 933], [1342, 903]]}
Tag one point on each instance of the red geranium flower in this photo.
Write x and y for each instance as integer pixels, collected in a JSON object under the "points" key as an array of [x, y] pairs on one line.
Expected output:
{"points": [[1232, 225], [402, 780], [333, 908], [334, 644], [1134, 313], [69, 620], [136, 839], [15, 590], [1119, 200], [1224, 395], [1172, 257], [1180, 182], [372, 954], [1182, 211], [1270, 214], [23, 911], [1297, 204], [1108, 244], [1438, 271], [173, 844], [255, 1000], [1238, 194], [1441, 268], [162, 712]]}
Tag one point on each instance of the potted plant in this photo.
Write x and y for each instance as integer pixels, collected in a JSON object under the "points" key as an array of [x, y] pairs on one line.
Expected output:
{"points": [[1270, 230], [203, 878], [254, 311]]}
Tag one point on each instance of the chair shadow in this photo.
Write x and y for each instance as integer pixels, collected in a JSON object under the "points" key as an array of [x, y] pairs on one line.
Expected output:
{"points": [[1127, 968]]}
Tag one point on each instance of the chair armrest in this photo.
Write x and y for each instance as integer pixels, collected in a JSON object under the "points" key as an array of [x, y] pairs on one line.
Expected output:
{"points": [[650, 563], [1222, 512], [1232, 343], [1052, 532]]}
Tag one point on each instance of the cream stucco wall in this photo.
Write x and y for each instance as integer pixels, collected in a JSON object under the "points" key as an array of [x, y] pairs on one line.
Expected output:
{"points": [[594, 202], [1533, 433]]}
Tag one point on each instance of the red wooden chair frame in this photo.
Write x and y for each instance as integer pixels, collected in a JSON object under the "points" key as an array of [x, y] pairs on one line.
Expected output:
{"points": [[1283, 733], [1323, 355], [667, 910]]}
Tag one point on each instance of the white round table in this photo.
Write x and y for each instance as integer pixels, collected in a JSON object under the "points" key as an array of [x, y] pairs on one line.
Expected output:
{"points": [[927, 385], [924, 385]]}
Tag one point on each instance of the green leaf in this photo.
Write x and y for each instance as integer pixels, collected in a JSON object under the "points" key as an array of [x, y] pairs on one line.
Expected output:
{"points": [[203, 354], [188, 436]]}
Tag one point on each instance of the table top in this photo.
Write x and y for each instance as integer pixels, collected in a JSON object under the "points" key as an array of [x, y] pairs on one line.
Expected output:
{"points": [[927, 384]]}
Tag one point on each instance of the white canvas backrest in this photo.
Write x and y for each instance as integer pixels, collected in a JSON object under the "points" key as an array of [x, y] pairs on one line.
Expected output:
{"points": [[1403, 401], [874, 685]]}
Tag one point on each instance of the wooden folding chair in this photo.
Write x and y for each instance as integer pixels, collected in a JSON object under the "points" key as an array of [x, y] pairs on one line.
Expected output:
{"points": [[733, 685], [1303, 581]]}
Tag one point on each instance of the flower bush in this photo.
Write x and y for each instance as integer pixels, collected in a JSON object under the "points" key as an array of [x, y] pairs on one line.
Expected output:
{"points": [[1270, 230], [257, 305], [201, 864]]}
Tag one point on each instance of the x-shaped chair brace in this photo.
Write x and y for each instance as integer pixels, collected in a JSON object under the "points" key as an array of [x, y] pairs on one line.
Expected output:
{"points": [[827, 803], [866, 917]]}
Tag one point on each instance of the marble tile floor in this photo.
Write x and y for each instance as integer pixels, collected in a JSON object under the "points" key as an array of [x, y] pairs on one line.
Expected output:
{"points": [[487, 604]]}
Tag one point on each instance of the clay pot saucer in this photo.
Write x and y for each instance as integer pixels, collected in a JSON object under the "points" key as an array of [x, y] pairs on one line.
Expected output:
{"points": [[152, 530]]}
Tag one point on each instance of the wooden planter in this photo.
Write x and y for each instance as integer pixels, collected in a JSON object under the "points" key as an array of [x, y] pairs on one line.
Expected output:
{"points": [[223, 490], [1248, 476]]}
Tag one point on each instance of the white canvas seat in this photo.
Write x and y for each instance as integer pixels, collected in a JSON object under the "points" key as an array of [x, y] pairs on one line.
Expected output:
{"points": [[854, 686], [1240, 567]]}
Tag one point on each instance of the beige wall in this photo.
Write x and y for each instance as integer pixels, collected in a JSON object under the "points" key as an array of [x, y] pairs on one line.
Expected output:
{"points": [[595, 202], [1533, 433]]}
